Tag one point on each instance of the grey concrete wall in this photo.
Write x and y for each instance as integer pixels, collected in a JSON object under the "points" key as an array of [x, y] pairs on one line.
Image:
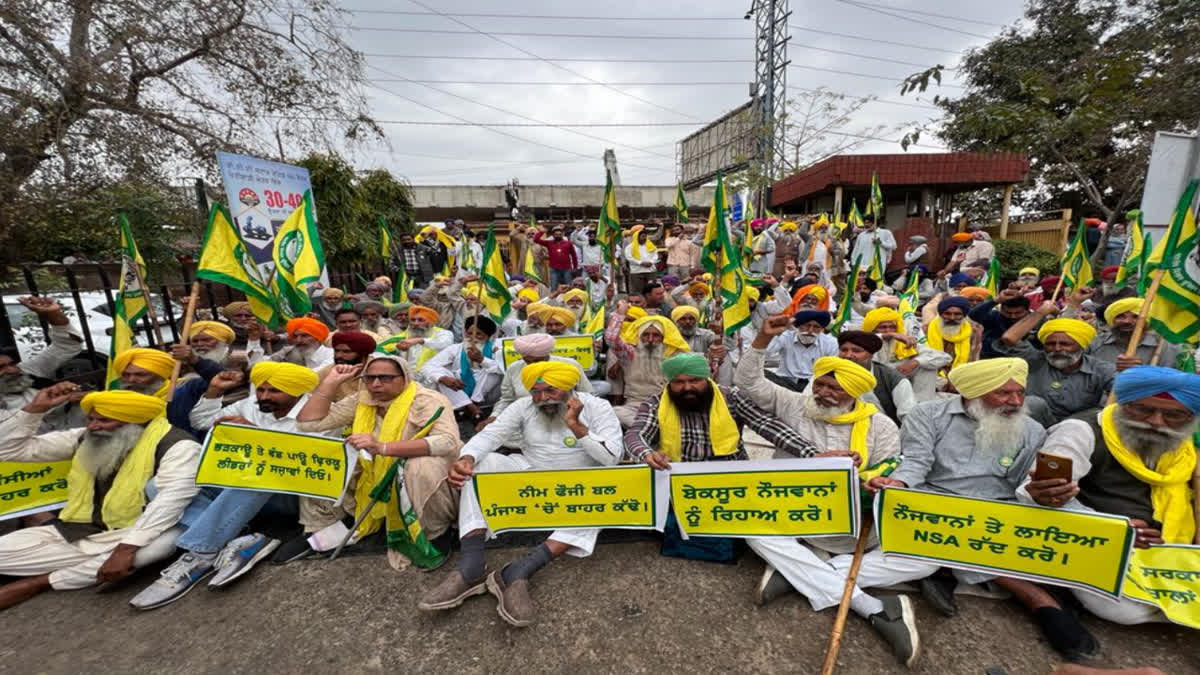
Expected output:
{"points": [[545, 196]]}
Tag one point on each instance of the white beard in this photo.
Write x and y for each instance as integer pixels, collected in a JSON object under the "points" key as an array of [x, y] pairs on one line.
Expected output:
{"points": [[1148, 441], [147, 389], [15, 384], [102, 455], [997, 434], [372, 326], [821, 412], [217, 354], [414, 332], [950, 331], [1061, 360]]}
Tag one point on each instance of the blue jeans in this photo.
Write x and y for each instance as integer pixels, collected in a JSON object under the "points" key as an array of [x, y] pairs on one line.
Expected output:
{"points": [[216, 515], [561, 277]]}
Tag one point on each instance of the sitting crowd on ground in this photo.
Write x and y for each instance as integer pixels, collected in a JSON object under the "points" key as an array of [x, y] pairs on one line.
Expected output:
{"points": [[956, 397]]}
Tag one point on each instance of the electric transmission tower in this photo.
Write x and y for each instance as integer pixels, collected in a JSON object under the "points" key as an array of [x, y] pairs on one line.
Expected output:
{"points": [[769, 90]]}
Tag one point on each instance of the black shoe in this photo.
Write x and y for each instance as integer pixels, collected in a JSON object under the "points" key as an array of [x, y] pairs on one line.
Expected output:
{"points": [[939, 592], [898, 625], [1064, 632], [292, 550]]}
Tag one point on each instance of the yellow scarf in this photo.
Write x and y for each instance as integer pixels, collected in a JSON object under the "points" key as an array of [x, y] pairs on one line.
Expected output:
{"points": [[901, 350], [961, 342], [860, 417], [372, 471], [722, 430], [1170, 492], [636, 246], [127, 497]]}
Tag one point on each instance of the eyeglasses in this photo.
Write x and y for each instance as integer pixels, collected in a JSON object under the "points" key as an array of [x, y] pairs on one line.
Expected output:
{"points": [[385, 379], [1172, 417]]}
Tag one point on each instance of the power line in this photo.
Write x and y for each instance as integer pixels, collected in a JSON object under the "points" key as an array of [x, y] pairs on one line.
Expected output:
{"points": [[888, 78], [483, 15], [912, 20], [460, 57], [863, 38], [521, 33], [933, 14]]}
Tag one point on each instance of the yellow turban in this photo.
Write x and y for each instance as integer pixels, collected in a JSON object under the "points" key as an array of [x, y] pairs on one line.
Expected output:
{"points": [[1029, 270], [557, 374], [574, 293], [683, 310], [635, 312], [529, 294], [231, 310], [637, 240], [159, 363], [1120, 307], [289, 378], [789, 226], [882, 315], [1079, 331], [124, 406], [562, 314], [855, 379], [977, 378], [471, 289], [536, 308], [632, 332], [214, 328], [699, 286]]}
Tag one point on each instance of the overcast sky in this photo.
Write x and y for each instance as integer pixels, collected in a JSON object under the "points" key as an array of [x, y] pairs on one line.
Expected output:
{"points": [[387, 30]]}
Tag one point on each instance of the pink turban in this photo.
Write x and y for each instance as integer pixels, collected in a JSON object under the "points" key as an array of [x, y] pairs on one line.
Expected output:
{"points": [[537, 345]]}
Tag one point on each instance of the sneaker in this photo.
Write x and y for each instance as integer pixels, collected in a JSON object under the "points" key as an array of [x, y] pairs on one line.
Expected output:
{"points": [[513, 602], [939, 591], [1064, 632], [179, 578], [897, 624], [771, 586], [292, 550], [452, 592], [240, 556]]}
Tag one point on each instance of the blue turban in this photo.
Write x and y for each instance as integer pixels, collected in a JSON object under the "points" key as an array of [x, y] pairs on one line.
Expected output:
{"points": [[954, 301], [1146, 381], [960, 278], [812, 315], [670, 279]]}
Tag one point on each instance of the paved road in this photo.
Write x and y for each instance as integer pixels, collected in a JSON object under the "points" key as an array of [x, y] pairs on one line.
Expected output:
{"points": [[626, 609]]}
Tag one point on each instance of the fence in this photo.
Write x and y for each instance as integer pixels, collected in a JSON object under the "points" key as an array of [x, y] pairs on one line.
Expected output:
{"points": [[1045, 229]]}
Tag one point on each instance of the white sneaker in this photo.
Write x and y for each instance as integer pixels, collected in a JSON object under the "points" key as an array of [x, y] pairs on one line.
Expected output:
{"points": [[240, 556], [179, 578]]}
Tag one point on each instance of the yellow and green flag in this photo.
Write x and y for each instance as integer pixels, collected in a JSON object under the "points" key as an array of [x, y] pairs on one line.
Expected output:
{"points": [[225, 259], [991, 281], [608, 228], [299, 259], [1175, 310], [129, 303], [530, 268], [385, 241], [494, 297], [875, 205], [855, 218], [595, 323], [845, 307], [1137, 251], [1076, 268], [722, 258], [877, 265], [681, 205]]}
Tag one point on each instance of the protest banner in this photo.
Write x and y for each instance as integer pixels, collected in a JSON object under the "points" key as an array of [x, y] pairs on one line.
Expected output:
{"points": [[1168, 577], [249, 458], [1085, 550], [628, 497], [577, 347], [32, 487], [775, 498]]}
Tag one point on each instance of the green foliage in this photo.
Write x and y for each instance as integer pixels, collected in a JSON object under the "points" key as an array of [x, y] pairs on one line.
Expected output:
{"points": [[350, 204], [1015, 255]]}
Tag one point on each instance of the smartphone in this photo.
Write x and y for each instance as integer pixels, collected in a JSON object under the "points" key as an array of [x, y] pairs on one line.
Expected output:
{"points": [[1052, 466]]}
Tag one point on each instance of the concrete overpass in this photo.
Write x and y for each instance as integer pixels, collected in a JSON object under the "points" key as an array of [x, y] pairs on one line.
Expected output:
{"points": [[564, 203]]}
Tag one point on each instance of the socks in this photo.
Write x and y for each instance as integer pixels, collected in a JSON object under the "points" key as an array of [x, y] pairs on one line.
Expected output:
{"points": [[471, 562], [525, 567], [865, 605]]}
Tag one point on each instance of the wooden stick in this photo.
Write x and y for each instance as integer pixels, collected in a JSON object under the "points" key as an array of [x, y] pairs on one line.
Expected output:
{"points": [[1140, 327], [1054, 298], [835, 637], [187, 328], [137, 269], [1158, 350], [1196, 501]]}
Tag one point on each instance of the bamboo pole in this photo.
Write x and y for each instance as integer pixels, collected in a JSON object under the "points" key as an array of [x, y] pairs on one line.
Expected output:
{"points": [[137, 269], [187, 328], [1140, 327], [839, 624], [1057, 289]]}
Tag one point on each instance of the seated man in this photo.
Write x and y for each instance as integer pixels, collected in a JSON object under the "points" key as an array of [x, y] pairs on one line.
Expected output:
{"points": [[1139, 467], [997, 316], [533, 348], [575, 300], [704, 341], [465, 373], [1121, 317], [148, 371], [211, 340], [216, 516], [1070, 381], [636, 351], [558, 321], [109, 526], [383, 418], [838, 422], [421, 341], [892, 391], [373, 319], [332, 299], [306, 346], [901, 351], [977, 444], [348, 320], [17, 379], [561, 429], [951, 332], [797, 349], [350, 348]]}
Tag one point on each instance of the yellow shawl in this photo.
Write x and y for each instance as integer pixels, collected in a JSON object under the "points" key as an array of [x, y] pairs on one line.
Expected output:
{"points": [[373, 471], [860, 417], [127, 497], [961, 342], [722, 430]]}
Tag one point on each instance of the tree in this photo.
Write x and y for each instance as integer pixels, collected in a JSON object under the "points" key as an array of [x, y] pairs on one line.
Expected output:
{"points": [[1082, 87], [96, 92], [350, 204]]}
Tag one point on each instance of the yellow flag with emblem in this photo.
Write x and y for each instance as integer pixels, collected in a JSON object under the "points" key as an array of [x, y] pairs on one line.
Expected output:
{"points": [[1175, 311]]}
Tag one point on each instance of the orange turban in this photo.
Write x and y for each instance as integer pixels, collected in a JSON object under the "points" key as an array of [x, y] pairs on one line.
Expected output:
{"points": [[309, 326], [814, 290], [961, 237], [429, 313], [975, 293]]}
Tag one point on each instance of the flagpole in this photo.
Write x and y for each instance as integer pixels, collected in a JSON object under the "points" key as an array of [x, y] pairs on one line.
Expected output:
{"points": [[137, 269], [187, 340], [839, 624], [1139, 328], [1057, 288]]}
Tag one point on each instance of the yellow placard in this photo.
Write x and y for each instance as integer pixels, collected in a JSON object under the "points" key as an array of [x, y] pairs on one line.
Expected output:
{"points": [[1167, 577], [616, 496], [32, 487], [577, 347], [775, 498], [249, 458], [1066, 548]]}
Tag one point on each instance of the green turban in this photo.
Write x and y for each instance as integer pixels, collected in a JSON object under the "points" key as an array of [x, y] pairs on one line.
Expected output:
{"points": [[688, 363]]}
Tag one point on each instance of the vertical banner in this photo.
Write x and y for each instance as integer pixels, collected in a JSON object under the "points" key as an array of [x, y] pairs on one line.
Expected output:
{"points": [[1168, 577], [249, 458], [32, 487], [772, 498]]}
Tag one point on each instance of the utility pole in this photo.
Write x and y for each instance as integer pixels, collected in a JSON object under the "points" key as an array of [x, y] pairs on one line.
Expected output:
{"points": [[770, 89]]}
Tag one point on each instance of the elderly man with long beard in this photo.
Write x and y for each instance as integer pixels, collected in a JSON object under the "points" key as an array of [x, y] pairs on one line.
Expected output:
{"points": [[704, 341], [373, 318], [575, 300], [561, 428], [148, 371], [108, 526], [466, 373], [951, 332], [306, 337], [382, 419], [1136, 463], [913, 360], [212, 340], [350, 348], [332, 299], [422, 340], [533, 348], [445, 297], [1071, 381], [977, 444], [557, 321], [215, 518], [17, 379], [836, 420], [636, 351], [1109, 347]]}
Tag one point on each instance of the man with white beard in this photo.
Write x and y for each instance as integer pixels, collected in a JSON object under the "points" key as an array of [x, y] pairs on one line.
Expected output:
{"points": [[1071, 381], [373, 319], [422, 340], [305, 345], [1137, 461], [636, 351], [951, 331], [467, 373], [916, 361], [211, 340], [17, 379], [561, 428], [704, 341], [978, 444], [108, 526]]}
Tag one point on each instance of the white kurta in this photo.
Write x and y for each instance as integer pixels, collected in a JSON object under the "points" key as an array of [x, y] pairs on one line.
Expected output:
{"points": [[64, 344], [446, 364]]}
